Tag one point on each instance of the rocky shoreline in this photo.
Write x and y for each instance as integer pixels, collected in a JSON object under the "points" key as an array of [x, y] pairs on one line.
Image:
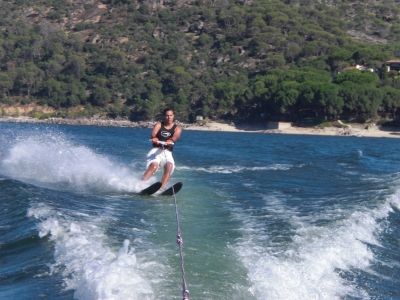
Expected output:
{"points": [[357, 131], [95, 122], [83, 122]]}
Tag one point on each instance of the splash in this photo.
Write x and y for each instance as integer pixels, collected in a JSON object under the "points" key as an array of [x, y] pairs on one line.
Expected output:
{"points": [[54, 162], [88, 265], [315, 262], [239, 169]]}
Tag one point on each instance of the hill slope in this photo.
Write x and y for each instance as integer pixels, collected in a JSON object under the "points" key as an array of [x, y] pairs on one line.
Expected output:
{"points": [[250, 59]]}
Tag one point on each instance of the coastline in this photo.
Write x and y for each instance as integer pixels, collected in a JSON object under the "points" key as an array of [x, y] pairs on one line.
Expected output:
{"points": [[358, 131]]}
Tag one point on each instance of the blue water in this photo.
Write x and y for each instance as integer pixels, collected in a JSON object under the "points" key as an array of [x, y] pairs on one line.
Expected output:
{"points": [[263, 216]]}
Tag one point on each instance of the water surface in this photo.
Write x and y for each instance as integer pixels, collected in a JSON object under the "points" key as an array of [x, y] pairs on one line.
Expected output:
{"points": [[263, 216]]}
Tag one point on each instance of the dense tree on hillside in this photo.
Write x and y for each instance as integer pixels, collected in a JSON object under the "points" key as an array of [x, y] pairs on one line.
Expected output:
{"points": [[258, 60]]}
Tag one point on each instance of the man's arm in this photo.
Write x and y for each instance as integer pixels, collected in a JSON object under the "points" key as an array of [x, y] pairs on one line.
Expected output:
{"points": [[156, 128], [177, 134]]}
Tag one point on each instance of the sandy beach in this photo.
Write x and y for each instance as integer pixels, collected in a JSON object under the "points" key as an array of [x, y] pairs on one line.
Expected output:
{"points": [[346, 130], [358, 131]]}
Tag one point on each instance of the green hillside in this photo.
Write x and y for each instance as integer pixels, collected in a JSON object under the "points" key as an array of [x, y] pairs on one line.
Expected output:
{"points": [[252, 60]]}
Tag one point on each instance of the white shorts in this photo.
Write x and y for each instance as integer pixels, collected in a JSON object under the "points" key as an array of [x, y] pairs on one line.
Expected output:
{"points": [[161, 157]]}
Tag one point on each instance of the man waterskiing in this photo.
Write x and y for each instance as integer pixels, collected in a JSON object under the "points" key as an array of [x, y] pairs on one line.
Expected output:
{"points": [[161, 154]]}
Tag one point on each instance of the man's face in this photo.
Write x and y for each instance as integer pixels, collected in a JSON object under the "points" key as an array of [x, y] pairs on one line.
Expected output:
{"points": [[169, 116]]}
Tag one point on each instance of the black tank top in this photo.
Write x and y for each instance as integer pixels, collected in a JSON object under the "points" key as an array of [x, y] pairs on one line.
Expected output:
{"points": [[165, 134]]}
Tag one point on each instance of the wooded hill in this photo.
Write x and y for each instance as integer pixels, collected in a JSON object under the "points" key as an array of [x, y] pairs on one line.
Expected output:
{"points": [[250, 60]]}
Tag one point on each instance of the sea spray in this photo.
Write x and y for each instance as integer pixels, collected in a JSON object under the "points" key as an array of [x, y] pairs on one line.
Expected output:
{"points": [[87, 264], [55, 162], [317, 262], [239, 169]]}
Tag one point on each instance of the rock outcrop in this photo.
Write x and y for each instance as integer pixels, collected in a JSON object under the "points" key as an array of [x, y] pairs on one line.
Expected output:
{"points": [[87, 122]]}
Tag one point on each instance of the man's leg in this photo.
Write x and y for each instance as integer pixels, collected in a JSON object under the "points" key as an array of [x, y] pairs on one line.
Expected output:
{"points": [[150, 171], [167, 174]]}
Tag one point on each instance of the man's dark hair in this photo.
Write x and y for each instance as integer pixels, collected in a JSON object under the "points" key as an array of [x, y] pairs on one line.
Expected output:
{"points": [[167, 109]]}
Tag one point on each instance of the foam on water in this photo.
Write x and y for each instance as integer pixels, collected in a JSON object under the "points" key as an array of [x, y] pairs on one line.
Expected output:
{"points": [[315, 261], [55, 162], [88, 265], [238, 169]]}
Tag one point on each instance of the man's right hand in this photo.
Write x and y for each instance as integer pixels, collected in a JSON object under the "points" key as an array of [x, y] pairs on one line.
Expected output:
{"points": [[154, 140]]}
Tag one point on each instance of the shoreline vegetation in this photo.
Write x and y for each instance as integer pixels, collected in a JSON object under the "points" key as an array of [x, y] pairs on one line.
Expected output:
{"points": [[358, 130], [223, 60]]}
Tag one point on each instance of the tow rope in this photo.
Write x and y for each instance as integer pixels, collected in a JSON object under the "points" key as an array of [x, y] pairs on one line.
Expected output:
{"points": [[179, 240], [185, 291]]}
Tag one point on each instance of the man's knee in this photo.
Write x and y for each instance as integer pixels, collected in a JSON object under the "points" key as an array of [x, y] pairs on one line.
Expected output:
{"points": [[168, 166], [153, 165]]}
